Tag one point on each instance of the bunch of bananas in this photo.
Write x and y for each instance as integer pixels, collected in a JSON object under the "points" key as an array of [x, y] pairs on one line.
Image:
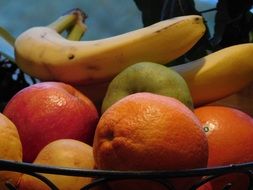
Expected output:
{"points": [[44, 53]]}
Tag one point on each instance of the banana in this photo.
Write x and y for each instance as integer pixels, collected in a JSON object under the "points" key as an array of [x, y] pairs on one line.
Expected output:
{"points": [[219, 74], [43, 53]]}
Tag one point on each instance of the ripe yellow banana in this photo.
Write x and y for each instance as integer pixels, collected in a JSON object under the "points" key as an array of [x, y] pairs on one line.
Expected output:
{"points": [[43, 53], [219, 74]]}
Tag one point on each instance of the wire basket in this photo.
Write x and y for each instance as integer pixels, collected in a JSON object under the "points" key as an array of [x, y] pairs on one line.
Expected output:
{"points": [[103, 176]]}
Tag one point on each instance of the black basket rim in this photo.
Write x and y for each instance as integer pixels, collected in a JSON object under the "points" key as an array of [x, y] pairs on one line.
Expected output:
{"points": [[23, 167]]}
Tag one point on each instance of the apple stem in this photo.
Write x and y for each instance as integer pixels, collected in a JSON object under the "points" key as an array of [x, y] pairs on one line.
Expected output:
{"points": [[67, 20]]}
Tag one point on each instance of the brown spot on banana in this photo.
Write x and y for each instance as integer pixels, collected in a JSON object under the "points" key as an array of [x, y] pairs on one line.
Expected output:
{"points": [[43, 35], [158, 31], [71, 56]]}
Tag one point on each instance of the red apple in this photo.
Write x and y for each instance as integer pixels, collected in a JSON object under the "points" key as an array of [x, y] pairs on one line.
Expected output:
{"points": [[48, 111]]}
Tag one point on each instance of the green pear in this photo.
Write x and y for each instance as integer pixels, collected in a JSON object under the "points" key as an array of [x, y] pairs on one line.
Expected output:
{"points": [[147, 77]]}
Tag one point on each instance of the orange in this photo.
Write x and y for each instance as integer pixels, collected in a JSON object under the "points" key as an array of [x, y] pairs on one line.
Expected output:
{"points": [[206, 186], [230, 139], [10, 149], [68, 153], [145, 131]]}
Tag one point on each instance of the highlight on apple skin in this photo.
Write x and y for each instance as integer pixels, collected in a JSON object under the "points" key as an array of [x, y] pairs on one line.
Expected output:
{"points": [[48, 111]]}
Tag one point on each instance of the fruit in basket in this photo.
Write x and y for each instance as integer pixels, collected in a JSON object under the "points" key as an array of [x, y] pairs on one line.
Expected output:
{"points": [[146, 131], [207, 186], [147, 77], [62, 153], [48, 111], [241, 100], [211, 78], [229, 132], [81, 62], [218, 74], [95, 92], [10, 149]]}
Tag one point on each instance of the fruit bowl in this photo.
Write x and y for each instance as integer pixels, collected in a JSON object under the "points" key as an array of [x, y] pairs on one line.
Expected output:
{"points": [[103, 176]]}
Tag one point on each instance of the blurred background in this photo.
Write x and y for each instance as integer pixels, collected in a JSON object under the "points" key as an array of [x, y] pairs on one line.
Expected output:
{"points": [[105, 17]]}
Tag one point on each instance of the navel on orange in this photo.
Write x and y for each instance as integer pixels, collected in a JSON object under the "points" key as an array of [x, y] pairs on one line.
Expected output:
{"points": [[145, 131]]}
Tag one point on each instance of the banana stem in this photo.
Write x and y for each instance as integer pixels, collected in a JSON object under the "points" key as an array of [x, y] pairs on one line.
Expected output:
{"points": [[62, 23], [67, 20], [77, 31], [7, 36]]}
